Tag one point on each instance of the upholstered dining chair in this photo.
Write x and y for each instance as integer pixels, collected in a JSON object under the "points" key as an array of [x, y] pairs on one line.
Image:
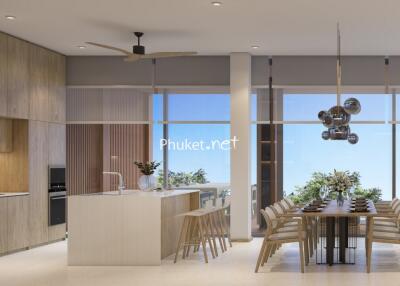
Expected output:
{"points": [[312, 234], [385, 206], [277, 234], [388, 221], [386, 234]]}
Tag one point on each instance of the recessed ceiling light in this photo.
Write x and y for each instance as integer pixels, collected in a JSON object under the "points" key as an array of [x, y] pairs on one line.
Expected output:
{"points": [[216, 3], [10, 17], [255, 47], [82, 47]]}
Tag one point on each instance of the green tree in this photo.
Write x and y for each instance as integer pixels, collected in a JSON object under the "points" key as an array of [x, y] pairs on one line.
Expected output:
{"points": [[177, 179]]}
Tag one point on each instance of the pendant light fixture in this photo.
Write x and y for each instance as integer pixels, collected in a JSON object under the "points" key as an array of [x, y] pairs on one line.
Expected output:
{"points": [[338, 117]]}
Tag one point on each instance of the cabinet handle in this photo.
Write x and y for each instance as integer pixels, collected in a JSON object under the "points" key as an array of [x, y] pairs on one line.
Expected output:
{"points": [[58, 198]]}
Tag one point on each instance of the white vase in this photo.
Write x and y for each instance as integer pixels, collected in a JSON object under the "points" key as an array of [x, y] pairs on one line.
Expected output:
{"points": [[147, 182]]}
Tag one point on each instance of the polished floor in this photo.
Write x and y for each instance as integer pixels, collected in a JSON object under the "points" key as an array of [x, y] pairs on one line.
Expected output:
{"points": [[46, 266]]}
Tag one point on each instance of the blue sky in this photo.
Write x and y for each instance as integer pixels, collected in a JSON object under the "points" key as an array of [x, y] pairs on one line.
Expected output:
{"points": [[304, 150]]}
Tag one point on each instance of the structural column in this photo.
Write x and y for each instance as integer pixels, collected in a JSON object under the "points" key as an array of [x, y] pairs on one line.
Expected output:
{"points": [[240, 87]]}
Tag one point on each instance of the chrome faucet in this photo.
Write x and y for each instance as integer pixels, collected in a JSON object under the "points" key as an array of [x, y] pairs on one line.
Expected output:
{"points": [[121, 185]]}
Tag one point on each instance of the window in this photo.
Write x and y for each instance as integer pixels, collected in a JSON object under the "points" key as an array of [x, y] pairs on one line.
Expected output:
{"points": [[197, 137]]}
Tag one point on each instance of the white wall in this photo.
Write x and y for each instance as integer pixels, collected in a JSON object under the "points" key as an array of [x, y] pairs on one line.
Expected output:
{"points": [[240, 74]]}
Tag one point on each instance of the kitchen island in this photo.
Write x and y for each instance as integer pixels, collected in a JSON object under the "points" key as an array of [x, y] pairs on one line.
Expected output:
{"points": [[135, 228]]}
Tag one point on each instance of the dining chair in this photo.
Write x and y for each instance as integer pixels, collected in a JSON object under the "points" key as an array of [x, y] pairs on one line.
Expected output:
{"points": [[290, 202], [277, 235], [388, 221], [311, 228], [389, 235], [385, 206]]}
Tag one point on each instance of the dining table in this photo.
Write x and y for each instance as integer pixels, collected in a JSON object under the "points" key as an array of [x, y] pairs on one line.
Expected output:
{"points": [[336, 225]]}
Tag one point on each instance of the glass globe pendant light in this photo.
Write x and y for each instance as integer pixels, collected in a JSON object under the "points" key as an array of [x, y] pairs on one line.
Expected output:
{"points": [[338, 117]]}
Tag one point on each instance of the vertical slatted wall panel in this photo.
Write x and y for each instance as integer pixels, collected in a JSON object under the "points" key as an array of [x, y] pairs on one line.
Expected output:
{"points": [[127, 143], [84, 158]]}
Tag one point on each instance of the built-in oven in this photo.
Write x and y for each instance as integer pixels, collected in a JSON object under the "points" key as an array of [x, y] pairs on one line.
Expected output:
{"points": [[57, 195], [57, 207]]}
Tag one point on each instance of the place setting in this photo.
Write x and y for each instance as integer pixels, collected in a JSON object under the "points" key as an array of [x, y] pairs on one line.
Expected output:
{"points": [[359, 205], [317, 205]]}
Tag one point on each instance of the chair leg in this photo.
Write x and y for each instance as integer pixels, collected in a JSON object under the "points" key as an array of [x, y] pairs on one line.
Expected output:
{"points": [[188, 237], [267, 253], [369, 256], [207, 235], [202, 239], [301, 248], [260, 255], [220, 234], [273, 249], [223, 227], [181, 239], [212, 229], [306, 252]]}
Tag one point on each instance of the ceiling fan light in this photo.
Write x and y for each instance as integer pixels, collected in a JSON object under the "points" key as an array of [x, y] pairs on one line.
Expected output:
{"points": [[10, 17], [216, 3]]}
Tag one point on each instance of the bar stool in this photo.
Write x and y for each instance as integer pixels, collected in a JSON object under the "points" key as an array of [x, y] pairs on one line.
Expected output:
{"points": [[197, 229]]}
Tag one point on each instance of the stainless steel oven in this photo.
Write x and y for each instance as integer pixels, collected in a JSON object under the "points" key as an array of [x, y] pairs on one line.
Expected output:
{"points": [[57, 207]]}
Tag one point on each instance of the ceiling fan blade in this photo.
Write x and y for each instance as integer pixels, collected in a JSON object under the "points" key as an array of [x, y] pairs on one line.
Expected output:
{"points": [[110, 48], [132, 58], [167, 55]]}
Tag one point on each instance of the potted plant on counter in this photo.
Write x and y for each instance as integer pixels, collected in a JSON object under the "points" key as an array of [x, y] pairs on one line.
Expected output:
{"points": [[147, 181]]}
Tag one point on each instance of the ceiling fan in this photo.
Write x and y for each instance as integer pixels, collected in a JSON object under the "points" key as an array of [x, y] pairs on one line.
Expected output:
{"points": [[138, 52]]}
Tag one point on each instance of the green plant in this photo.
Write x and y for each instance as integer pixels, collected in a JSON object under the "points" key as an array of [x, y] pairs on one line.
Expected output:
{"points": [[311, 190], [373, 194], [147, 168], [320, 184], [181, 178]]}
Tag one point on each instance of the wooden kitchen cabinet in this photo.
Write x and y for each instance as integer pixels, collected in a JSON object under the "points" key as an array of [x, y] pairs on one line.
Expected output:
{"points": [[3, 74], [38, 83], [17, 223], [57, 100], [17, 78], [3, 225]]}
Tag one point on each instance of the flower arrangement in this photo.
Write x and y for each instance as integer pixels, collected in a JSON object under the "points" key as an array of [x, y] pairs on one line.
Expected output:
{"points": [[342, 181], [147, 168]]}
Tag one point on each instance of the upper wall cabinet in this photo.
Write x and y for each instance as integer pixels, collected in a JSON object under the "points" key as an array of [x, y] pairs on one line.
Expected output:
{"points": [[32, 81], [57, 73], [3, 74], [39, 61], [17, 78]]}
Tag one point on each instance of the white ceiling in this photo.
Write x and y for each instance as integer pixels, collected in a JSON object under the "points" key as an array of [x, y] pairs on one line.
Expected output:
{"points": [[279, 27]]}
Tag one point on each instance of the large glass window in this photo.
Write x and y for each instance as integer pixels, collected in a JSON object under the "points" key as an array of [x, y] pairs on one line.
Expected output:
{"points": [[300, 151], [191, 135]]}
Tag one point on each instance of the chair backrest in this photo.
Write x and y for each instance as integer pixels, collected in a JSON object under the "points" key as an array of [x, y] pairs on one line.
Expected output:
{"points": [[284, 205], [393, 202], [278, 208], [269, 217], [397, 209], [290, 202]]}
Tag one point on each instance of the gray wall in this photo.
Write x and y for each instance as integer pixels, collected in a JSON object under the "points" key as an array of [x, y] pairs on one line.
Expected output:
{"points": [[214, 70], [204, 70]]}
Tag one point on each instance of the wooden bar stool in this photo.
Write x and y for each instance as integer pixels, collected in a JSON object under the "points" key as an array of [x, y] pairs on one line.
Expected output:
{"points": [[196, 230]]}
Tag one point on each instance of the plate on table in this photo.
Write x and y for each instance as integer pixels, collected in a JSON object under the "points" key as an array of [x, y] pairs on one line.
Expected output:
{"points": [[354, 210], [312, 210]]}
